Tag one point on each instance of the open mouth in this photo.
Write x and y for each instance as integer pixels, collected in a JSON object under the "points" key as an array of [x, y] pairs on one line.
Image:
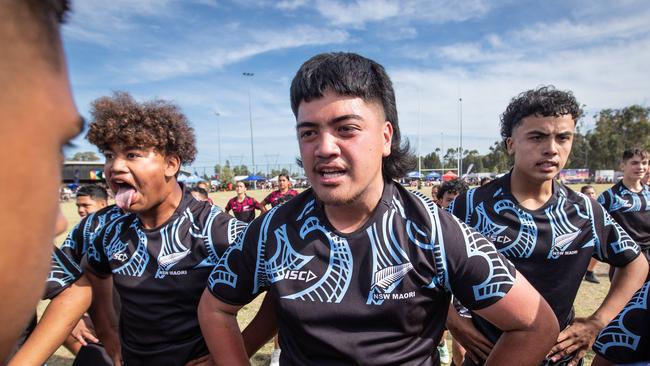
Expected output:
{"points": [[124, 194], [331, 173]]}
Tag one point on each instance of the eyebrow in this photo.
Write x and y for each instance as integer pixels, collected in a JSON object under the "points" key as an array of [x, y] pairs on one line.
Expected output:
{"points": [[330, 122]]}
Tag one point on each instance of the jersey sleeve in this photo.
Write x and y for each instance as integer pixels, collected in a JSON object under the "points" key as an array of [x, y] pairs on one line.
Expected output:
{"points": [[239, 276], [605, 200], [477, 275], [626, 339], [613, 244], [95, 259], [78, 239], [64, 271], [458, 207], [229, 205], [257, 204]]}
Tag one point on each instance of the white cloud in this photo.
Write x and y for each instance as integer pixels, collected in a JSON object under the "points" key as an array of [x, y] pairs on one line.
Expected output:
{"points": [[356, 14], [197, 59], [290, 4]]}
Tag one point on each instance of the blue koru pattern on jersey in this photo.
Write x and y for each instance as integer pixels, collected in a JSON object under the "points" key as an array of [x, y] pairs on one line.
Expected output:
{"points": [[389, 262], [333, 285], [524, 244], [63, 272], [499, 278], [622, 199], [563, 231], [616, 334], [137, 263], [77, 243]]}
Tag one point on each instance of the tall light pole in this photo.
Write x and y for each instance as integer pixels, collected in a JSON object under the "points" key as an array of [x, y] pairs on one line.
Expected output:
{"points": [[460, 137], [250, 118], [217, 114]]}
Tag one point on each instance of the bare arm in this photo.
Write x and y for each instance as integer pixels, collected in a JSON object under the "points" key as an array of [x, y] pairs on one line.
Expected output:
{"points": [[262, 328], [103, 315], [478, 347], [581, 335], [221, 332], [522, 315], [57, 321]]}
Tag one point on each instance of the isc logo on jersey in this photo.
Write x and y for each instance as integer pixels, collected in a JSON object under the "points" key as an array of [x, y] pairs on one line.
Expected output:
{"points": [[299, 275], [502, 239], [121, 256]]}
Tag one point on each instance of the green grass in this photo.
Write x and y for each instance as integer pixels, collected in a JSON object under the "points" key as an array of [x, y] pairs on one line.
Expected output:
{"points": [[589, 296]]}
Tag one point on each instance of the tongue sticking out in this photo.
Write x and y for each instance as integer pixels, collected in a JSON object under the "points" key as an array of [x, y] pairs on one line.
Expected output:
{"points": [[123, 197]]}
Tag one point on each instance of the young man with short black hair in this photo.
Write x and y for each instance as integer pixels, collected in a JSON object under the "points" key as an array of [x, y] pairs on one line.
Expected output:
{"points": [[449, 190], [362, 270], [548, 231], [91, 198], [628, 201], [160, 253]]}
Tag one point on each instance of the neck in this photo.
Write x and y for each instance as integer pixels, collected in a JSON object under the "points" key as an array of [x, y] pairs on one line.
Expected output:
{"points": [[241, 196], [633, 184], [531, 194], [161, 212], [284, 190], [349, 217]]}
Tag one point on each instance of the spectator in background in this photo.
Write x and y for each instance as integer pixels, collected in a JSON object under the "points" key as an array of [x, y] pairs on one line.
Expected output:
{"points": [[37, 118], [206, 187], [590, 192], [449, 190], [485, 180], [282, 194], [435, 187], [91, 198], [242, 205], [199, 193]]}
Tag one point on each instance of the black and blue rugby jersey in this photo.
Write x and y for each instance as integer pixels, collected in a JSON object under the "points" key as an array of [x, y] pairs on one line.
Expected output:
{"points": [[376, 296], [627, 337], [550, 246], [64, 271], [631, 210], [79, 238], [160, 275]]}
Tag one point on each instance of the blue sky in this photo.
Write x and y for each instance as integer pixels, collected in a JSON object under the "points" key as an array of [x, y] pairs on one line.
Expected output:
{"points": [[195, 51]]}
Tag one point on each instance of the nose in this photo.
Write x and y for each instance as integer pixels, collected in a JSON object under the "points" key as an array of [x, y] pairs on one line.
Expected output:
{"points": [[327, 146], [115, 165], [551, 147]]}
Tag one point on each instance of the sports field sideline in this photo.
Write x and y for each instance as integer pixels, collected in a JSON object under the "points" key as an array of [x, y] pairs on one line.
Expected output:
{"points": [[589, 296]]}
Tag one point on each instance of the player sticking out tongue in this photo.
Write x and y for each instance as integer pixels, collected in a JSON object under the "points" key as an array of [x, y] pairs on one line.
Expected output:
{"points": [[124, 196]]}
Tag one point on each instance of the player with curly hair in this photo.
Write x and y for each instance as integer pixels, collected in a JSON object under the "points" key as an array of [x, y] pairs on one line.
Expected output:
{"points": [[160, 253], [548, 231]]}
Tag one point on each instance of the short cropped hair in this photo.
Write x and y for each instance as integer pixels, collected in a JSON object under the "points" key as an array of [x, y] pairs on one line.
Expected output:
{"points": [[545, 101], [584, 189], [202, 192], [93, 191], [636, 151], [349, 74], [158, 124], [452, 186]]}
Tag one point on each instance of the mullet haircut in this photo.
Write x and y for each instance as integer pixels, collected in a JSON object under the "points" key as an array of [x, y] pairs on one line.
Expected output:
{"points": [[349, 74]]}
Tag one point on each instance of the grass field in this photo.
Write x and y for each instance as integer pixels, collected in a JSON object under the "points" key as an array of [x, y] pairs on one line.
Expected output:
{"points": [[588, 299]]}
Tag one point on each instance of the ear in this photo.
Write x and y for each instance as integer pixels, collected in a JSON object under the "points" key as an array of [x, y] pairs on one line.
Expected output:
{"points": [[509, 146], [172, 165], [387, 133]]}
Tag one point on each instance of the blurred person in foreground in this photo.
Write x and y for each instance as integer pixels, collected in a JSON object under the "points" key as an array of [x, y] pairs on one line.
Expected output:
{"points": [[37, 118]]}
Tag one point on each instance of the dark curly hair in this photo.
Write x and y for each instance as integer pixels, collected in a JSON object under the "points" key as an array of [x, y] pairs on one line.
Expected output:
{"points": [[120, 120], [452, 186], [544, 101], [353, 75]]}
